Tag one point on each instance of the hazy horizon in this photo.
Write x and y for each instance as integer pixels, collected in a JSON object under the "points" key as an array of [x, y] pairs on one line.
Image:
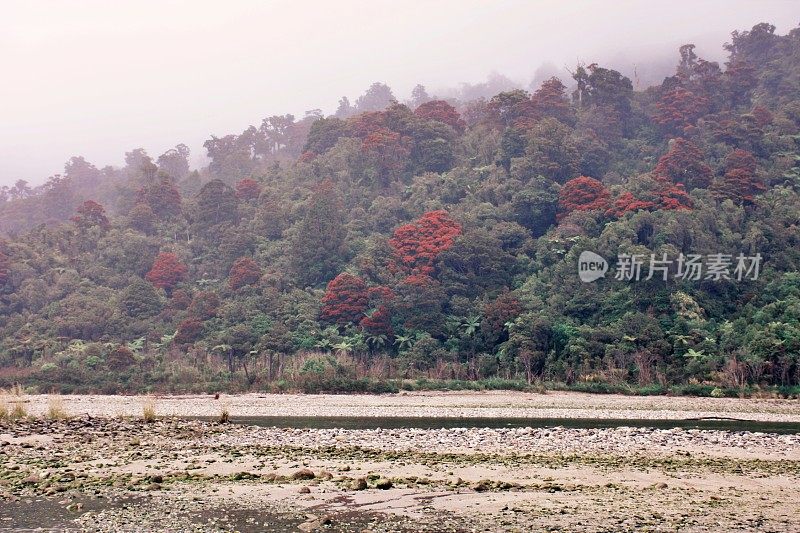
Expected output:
{"points": [[97, 80]]}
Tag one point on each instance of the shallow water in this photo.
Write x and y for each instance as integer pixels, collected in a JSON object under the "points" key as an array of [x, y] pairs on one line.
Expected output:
{"points": [[364, 422]]}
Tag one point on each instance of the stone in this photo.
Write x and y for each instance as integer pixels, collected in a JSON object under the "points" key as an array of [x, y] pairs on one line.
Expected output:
{"points": [[303, 473], [482, 485]]}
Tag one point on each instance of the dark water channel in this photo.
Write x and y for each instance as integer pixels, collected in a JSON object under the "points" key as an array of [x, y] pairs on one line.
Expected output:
{"points": [[355, 422]]}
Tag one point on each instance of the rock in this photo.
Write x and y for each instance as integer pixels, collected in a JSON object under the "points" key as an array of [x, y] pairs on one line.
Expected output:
{"points": [[153, 486], [303, 490], [660, 486], [313, 523], [74, 507], [325, 475], [383, 483], [482, 485], [359, 484], [157, 479], [303, 473], [33, 479]]}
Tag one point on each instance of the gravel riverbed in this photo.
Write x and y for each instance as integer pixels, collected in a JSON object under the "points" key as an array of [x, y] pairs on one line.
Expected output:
{"points": [[494, 404], [99, 471]]}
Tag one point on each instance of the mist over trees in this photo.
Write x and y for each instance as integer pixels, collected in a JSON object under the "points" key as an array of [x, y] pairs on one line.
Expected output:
{"points": [[436, 237]]}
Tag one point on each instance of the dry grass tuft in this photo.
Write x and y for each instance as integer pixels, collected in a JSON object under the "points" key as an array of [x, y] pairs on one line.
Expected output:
{"points": [[224, 415], [18, 412], [56, 409], [12, 404], [149, 411]]}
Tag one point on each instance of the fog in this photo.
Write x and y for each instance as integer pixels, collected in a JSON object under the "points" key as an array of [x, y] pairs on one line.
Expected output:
{"points": [[97, 78]]}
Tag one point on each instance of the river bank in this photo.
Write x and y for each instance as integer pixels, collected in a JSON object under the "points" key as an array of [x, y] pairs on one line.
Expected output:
{"points": [[99, 471]]}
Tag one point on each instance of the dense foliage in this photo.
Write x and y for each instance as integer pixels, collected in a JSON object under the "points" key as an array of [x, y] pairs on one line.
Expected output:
{"points": [[438, 239]]}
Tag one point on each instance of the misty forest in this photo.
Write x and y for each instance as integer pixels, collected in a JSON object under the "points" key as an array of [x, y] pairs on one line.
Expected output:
{"points": [[431, 243]]}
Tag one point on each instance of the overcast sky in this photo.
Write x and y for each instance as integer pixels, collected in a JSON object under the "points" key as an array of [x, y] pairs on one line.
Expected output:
{"points": [[97, 78]]}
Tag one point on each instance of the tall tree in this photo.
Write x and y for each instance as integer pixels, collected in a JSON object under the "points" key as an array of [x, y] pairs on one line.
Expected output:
{"points": [[377, 98], [320, 243], [162, 197], [91, 214], [175, 162], [216, 203]]}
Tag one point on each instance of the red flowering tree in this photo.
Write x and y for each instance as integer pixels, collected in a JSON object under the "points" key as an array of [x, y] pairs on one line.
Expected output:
{"points": [[366, 123], [189, 330], [652, 195], [441, 111], [244, 272], [248, 189], [418, 244], [379, 320], [583, 194], [167, 271], [550, 100], [90, 214], [740, 182], [628, 203], [679, 109], [674, 197], [684, 163], [345, 301]]}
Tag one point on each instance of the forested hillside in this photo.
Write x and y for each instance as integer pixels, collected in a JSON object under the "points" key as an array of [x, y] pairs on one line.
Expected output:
{"points": [[432, 239]]}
